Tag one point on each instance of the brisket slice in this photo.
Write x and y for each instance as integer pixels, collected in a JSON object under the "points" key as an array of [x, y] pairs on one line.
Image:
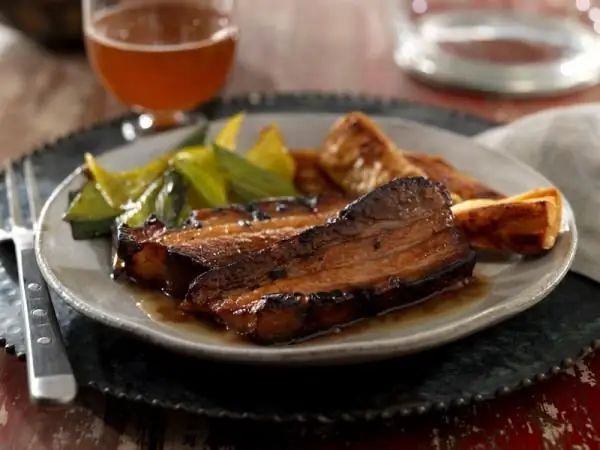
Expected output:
{"points": [[391, 247], [155, 257]]}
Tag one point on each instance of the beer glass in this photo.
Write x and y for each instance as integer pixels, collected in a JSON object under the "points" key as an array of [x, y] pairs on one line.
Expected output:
{"points": [[161, 58]]}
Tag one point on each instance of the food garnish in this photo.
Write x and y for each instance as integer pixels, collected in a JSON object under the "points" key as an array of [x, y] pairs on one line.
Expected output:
{"points": [[196, 173], [270, 153], [248, 181], [228, 136], [199, 167]]}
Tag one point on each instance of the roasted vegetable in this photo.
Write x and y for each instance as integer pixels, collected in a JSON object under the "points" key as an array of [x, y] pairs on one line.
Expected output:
{"points": [[270, 153], [195, 138], [89, 204], [462, 187], [92, 210], [359, 157], [199, 167], [192, 202], [120, 188], [166, 198], [249, 182], [144, 206], [227, 137], [88, 214], [527, 224], [309, 177], [171, 200], [187, 176]]}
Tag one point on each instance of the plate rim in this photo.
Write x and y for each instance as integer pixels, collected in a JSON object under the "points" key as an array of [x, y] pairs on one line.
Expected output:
{"points": [[362, 351]]}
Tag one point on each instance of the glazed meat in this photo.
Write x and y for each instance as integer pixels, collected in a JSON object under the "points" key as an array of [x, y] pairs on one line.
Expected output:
{"points": [[166, 259], [393, 246]]}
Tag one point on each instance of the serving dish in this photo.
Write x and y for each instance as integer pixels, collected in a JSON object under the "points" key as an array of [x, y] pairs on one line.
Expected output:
{"points": [[78, 269]]}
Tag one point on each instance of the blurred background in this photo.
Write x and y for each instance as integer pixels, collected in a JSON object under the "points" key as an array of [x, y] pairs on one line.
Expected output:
{"points": [[53, 23], [375, 47]]}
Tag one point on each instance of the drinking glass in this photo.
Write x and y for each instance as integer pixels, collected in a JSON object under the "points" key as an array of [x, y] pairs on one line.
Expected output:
{"points": [[519, 47], [161, 58]]}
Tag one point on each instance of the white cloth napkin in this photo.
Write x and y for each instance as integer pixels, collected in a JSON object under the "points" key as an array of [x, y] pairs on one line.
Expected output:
{"points": [[563, 144]]}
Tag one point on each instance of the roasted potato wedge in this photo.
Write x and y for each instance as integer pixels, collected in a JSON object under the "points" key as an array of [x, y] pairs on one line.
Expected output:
{"points": [[462, 186], [309, 177], [527, 223], [359, 157]]}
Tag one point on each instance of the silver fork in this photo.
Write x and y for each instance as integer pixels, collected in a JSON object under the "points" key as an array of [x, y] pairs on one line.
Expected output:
{"points": [[49, 372]]}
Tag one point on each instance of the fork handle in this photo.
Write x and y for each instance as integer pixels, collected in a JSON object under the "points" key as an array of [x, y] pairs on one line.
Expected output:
{"points": [[50, 376]]}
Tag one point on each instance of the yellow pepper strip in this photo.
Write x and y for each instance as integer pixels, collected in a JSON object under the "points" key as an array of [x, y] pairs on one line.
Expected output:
{"points": [[120, 188], [228, 135], [199, 167], [270, 153]]}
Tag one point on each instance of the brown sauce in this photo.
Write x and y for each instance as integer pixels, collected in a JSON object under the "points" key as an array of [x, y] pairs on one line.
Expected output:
{"points": [[164, 310], [439, 305]]}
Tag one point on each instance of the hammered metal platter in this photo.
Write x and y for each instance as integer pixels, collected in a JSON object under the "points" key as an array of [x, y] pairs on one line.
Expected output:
{"points": [[526, 348]]}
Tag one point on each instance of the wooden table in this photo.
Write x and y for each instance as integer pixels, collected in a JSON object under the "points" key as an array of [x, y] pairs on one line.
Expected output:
{"points": [[286, 46]]}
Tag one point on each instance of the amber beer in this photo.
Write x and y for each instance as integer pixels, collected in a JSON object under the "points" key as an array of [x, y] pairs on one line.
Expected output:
{"points": [[161, 56]]}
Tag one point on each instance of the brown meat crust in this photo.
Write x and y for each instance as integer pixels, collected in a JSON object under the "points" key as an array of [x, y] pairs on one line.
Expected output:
{"points": [[155, 257], [393, 246]]}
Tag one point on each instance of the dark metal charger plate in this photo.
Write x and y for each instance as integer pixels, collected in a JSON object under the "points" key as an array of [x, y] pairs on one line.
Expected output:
{"points": [[516, 353]]}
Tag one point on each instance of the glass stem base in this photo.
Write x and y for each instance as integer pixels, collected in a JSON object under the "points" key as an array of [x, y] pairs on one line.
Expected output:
{"points": [[147, 123]]}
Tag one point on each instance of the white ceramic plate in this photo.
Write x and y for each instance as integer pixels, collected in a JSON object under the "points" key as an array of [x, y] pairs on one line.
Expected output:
{"points": [[79, 270]]}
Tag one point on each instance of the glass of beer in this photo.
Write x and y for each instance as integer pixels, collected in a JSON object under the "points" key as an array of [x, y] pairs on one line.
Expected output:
{"points": [[161, 58]]}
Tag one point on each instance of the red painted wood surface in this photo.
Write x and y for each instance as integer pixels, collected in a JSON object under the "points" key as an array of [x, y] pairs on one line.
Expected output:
{"points": [[287, 45]]}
